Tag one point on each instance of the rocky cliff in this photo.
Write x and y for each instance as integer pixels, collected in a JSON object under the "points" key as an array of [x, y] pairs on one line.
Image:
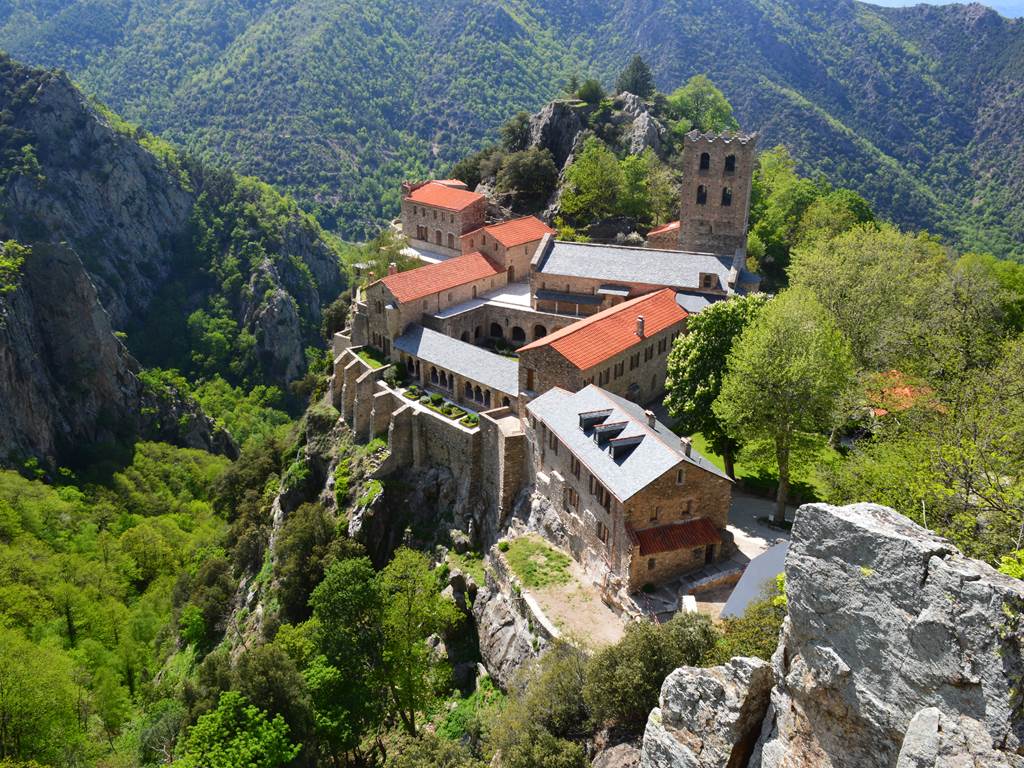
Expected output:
{"points": [[67, 384], [159, 233], [897, 651]]}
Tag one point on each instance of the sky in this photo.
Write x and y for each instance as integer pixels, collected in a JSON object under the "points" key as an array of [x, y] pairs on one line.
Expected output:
{"points": [[1011, 8]]}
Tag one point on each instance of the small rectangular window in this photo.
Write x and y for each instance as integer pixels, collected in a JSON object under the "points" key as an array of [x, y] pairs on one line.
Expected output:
{"points": [[680, 477], [651, 563], [655, 512], [574, 466], [602, 532], [553, 443]]}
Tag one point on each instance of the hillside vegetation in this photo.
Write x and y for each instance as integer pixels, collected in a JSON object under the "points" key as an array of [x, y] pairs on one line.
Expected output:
{"points": [[917, 109]]}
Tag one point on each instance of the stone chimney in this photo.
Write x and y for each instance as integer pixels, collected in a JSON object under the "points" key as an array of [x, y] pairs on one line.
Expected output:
{"points": [[640, 326], [651, 421], [687, 445], [392, 268]]}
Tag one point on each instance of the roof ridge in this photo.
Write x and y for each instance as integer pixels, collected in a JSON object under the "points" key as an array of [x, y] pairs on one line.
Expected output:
{"points": [[641, 248], [643, 423]]}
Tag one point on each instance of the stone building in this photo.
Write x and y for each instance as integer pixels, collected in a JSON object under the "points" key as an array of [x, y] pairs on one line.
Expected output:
{"points": [[623, 349], [715, 195], [393, 303], [511, 243], [585, 278], [436, 214], [638, 504], [665, 237]]}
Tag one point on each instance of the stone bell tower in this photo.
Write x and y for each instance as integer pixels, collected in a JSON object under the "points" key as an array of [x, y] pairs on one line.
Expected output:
{"points": [[715, 198]]}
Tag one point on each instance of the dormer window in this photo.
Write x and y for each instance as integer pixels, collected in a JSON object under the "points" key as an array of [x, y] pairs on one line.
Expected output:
{"points": [[589, 418], [605, 432], [622, 447]]}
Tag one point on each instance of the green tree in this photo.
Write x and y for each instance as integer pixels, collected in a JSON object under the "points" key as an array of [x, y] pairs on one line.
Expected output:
{"points": [[515, 133], [635, 198], [786, 376], [530, 174], [636, 78], [593, 183], [12, 259], [590, 91], [697, 365], [702, 105], [414, 609], [624, 680], [238, 733], [111, 702], [832, 214]]}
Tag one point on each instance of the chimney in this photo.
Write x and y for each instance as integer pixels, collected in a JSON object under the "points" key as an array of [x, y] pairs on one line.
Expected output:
{"points": [[640, 326], [651, 421], [392, 268], [687, 444]]}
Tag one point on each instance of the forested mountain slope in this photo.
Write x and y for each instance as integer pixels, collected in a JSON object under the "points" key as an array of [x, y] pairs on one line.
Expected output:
{"points": [[106, 229], [915, 107]]}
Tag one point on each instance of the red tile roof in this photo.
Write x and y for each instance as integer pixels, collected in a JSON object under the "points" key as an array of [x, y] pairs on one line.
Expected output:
{"points": [[519, 231], [593, 340], [434, 278], [664, 228], [441, 195], [668, 538]]}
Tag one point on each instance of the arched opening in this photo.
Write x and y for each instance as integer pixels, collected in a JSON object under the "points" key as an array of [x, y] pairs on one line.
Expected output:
{"points": [[539, 332], [730, 164], [478, 332], [726, 196], [705, 161], [451, 241], [469, 391], [702, 195], [511, 274], [496, 332], [487, 399], [518, 334], [437, 236], [478, 395], [505, 402], [464, 336], [433, 375]]}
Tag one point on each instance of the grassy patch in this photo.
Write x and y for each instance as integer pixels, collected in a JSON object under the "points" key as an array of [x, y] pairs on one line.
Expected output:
{"points": [[536, 563], [761, 478], [471, 563], [469, 712], [372, 490], [372, 357]]}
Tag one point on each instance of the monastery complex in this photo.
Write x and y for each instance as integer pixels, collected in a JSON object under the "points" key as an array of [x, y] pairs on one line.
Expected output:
{"points": [[531, 365]]}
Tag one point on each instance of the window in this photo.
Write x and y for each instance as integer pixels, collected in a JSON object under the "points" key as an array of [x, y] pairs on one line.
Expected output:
{"points": [[655, 513], [662, 346], [698, 554], [603, 377], [649, 353], [451, 241], [702, 195], [705, 161], [553, 443], [435, 215], [726, 196], [707, 281], [651, 563], [574, 466], [572, 499], [449, 296], [634, 361], [602, 494], [620, 368], [529, 378], [689, 508], [474, 291], [379, 306], [680, 476], [730, 164], [602, 532]]}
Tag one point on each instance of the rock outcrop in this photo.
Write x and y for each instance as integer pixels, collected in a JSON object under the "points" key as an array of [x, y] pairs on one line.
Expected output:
{"points": [[67, 384], [897, 650], [556, 128], [619, 756], [506, 640], [708, 718], [645, 133]]}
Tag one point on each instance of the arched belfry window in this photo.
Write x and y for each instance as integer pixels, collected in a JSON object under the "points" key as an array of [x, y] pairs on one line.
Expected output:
{"points": [[730, 164], [726, 195], [705, 161], [702, 195]]}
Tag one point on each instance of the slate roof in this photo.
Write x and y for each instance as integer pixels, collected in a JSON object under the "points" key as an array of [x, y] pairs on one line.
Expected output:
{"points": [[673, 536], [434, 278], [625, 264], [656, 452], [440, 195], [517, 231], [495, 371], [594, 339]]}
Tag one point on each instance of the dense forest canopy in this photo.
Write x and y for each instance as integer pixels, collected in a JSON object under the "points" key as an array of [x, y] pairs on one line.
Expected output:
{"points": [[916, 109]]}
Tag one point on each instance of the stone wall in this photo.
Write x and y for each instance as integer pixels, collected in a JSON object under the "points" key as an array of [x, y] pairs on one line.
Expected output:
{"points": [[641, 380], [518, 256], [475, 325], [444, 228], [664, 241], [711, 226], [586, 287]]}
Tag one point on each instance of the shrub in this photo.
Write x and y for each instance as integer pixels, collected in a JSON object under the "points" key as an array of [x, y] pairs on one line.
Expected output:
{"points": [[590, 92], [436, 398], [503, 546]]}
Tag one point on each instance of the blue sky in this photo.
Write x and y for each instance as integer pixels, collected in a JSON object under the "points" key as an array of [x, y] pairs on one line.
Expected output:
{"points": [[1013, 8]]}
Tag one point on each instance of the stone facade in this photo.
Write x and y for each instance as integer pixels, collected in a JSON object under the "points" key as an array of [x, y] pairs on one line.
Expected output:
{"points": [[515, 256], [664, 238], [637, 374], [597, 524], [489, 321], [715, 195], [440, 229]]}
